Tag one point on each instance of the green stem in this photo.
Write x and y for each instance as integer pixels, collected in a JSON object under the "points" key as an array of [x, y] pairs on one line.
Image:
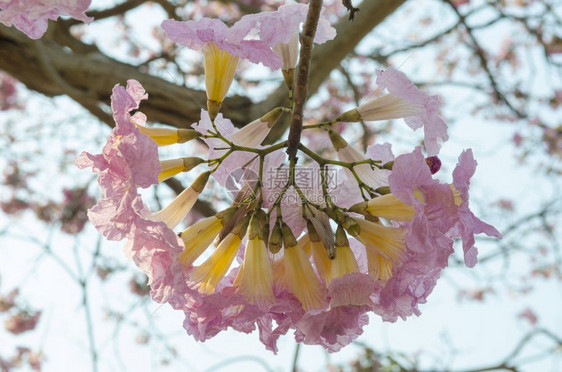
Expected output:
{"points": [[320, 125]]}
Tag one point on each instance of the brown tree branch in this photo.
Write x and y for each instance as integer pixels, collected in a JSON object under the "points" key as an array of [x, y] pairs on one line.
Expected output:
{"points": [[85, 68], [300, 87], [95, 74], [110, 12]]}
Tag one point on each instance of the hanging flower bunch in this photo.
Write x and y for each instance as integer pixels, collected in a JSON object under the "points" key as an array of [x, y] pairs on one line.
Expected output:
{"points": [[309, 243]]}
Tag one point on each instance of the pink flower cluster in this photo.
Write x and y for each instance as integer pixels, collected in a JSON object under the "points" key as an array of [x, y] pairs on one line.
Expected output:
{"points": [[338, 313], [130, 160], [442, 214], [31, 16]]}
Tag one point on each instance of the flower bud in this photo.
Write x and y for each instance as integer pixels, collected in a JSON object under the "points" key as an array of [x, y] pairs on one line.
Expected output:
{"points": [[169, 168], [176, 211], [434, 164], [349, 116], [276, 239]]}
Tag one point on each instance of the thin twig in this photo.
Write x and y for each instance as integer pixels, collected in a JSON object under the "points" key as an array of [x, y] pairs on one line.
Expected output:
{"points": [[110, 12], [481, 55], [300, 89], [296, 357]]}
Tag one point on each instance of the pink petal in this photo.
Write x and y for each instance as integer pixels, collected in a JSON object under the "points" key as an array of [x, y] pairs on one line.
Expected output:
{"points": [[31, 16], [435, 129]]}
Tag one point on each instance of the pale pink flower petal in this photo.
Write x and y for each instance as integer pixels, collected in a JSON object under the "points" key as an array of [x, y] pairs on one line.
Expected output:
{"points": [[346, 192], [428, 248], [413, 281], [285, 313], [409, 173], [115, 216], [155, 248], [272, 27], [136, 91], [128, 160], [129, 156], [195, 34], [382, 152], [278, 26], [351, 289], [435, 129], [469, 224], [31, 17], [332, 329]]}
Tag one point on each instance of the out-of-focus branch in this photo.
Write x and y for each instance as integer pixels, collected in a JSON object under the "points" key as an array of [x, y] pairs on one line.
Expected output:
{"points": [[373, 360], [296, 357], [169, 8], [508, 364], [481, 55], [357, 98], [95, 74], [110, 12]]}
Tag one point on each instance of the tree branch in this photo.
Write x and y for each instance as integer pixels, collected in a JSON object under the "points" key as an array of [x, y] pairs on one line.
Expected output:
{"points": [[328, 56], [96, 74], [481, 55], [300, 87]]}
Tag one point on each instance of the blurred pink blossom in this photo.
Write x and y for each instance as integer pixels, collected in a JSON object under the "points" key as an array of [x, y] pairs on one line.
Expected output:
{"points": [[31, 16]]}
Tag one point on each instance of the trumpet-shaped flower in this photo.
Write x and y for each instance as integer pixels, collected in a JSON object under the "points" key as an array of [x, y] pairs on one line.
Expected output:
{"points": [[255, 277], [438, 217], [167, 136], [435, 129], [300, 278], [223, 46], [289, 53], [344, 262], [322, 262], [272, 28], [371, 176], [397, 97], [169, 168], [176, 211], [198, 237], [385, 246], [207, 276]]}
